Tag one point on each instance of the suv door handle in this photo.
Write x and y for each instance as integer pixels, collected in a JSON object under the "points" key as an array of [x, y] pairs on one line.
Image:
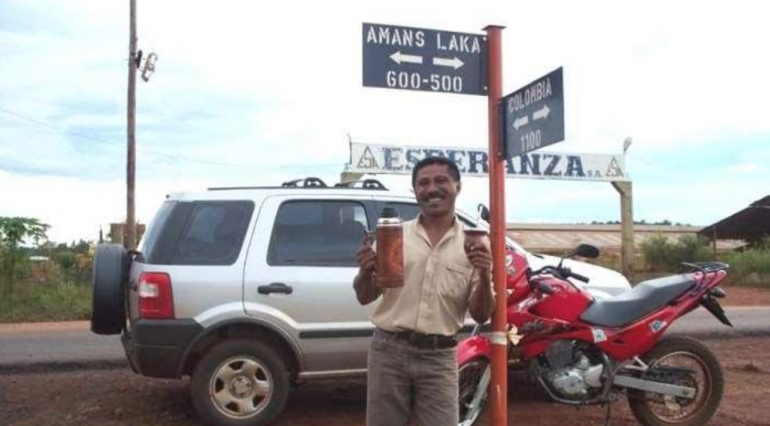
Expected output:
{"points": [[275, 288]]}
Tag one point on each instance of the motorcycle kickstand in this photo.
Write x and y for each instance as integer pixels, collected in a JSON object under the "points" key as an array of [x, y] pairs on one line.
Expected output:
{"points": [[607, 417]]}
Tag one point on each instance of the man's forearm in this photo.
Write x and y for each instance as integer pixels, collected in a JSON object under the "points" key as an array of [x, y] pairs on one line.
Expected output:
{"points": [[366, 288], [482, 302]]}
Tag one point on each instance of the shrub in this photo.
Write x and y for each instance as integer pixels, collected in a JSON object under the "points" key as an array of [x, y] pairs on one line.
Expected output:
{"points": [[656, 251], [66, 260], [750, 267], [662, 255], [691, 248]]}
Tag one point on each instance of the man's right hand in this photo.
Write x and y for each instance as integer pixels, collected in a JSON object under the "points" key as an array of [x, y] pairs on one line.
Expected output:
{"points": [[366, 256], [365, 282]]}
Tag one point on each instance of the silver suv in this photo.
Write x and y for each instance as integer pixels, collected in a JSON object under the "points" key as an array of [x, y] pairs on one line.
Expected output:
{"points": [[248, 290]]}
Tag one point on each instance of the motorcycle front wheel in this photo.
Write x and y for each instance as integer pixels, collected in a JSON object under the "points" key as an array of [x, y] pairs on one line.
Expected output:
{"points": [[473, 387], [686, 362]]}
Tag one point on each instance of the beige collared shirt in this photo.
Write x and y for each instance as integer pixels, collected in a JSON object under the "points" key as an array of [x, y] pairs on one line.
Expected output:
{"points": [[437, 287]]}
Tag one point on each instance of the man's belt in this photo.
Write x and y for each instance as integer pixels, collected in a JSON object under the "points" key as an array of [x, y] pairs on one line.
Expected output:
{"points": [[420, 340]]}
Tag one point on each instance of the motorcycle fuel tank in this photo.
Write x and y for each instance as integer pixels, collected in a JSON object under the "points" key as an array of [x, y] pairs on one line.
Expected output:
{"points": [[566, 303]]}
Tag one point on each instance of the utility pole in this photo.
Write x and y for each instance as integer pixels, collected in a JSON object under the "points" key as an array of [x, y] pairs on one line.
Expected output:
{"points": [[130, 241]]}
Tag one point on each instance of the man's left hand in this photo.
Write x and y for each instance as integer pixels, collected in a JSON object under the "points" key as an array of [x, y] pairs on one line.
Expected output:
{"points": [[481, 257]]}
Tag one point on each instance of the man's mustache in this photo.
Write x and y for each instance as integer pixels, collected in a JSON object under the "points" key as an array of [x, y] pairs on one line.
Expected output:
{"points": [[434, 194]]}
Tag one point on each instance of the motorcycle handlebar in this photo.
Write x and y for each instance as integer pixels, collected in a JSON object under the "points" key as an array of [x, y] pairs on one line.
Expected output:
{"points": [[562, 272], [579, 277]]}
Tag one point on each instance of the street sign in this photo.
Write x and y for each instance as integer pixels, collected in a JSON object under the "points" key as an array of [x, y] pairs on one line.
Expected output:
{"points": [[399, 159], [420, 59], [533, 116]]}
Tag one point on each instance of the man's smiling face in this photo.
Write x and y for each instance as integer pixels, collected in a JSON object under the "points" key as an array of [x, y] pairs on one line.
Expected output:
{"points": [[436, 190]]}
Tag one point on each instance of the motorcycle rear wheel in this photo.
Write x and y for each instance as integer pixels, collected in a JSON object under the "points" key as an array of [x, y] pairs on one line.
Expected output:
{"points": [[706, 377], [469, 378]]}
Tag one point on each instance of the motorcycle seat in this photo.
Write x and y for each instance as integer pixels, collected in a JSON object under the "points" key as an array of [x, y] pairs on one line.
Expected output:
{"points": [[645, 297]]}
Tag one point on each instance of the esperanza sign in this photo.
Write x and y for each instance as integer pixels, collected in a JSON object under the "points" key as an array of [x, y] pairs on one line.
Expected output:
{"points": [[394, 159]]}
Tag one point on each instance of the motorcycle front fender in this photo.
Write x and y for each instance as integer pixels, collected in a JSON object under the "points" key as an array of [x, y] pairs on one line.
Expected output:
{"points": [[473, 347]]}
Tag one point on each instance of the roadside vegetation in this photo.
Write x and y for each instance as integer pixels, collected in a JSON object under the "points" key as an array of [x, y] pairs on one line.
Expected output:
{"points": [[749, 266], [41, 280], [45, 281]]}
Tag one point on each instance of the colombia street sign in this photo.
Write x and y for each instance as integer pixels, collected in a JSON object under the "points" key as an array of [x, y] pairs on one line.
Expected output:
{"points": [[421, 59], [533, 116]]}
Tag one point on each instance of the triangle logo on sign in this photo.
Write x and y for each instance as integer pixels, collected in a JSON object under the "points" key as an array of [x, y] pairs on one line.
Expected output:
{"points": [[367, 160], [614, 169]]}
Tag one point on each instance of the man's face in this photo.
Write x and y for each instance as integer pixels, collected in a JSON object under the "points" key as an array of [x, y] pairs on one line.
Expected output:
{"points": [[435, 190]]}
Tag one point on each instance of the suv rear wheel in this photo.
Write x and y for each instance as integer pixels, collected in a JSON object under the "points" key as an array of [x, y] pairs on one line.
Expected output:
{"points": [[239, 382]]}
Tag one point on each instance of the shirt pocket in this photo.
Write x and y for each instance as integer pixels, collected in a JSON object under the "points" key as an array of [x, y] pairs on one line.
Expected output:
{"points": [[455, 282]]}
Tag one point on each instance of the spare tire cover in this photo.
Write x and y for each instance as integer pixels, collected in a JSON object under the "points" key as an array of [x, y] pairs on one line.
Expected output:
{"points": [[111, 263]]}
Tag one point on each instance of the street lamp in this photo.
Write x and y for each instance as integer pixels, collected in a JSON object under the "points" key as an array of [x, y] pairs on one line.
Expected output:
{"points": [[627, 144]]}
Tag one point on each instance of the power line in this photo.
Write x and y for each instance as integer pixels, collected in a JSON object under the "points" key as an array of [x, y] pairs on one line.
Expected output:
{"points": [[116, 145], [166, 156]]}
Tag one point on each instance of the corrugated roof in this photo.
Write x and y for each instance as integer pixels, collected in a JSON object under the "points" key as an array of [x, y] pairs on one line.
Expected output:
{"points": [[750, 224], [562, 237]]}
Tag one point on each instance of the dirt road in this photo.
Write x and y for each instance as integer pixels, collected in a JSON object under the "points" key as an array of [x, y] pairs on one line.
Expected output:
{"points": [[121, 398]]}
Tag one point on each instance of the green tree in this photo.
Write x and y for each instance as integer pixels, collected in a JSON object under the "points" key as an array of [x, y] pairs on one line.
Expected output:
{"points": [[13, 232], [81, 247]]}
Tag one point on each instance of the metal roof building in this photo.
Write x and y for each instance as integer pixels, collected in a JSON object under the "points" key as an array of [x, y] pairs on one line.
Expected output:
{"points": [[751, 224], [555, 238]]}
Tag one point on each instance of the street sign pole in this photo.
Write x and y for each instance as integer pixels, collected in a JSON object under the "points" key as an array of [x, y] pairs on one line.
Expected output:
{"points": [[499, 339]]}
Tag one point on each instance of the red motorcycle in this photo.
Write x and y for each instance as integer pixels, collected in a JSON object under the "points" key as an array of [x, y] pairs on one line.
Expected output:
{"points": [[582, 350]]}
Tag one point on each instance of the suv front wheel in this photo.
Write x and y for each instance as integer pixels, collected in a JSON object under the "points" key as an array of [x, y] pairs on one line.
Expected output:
{"points": [[239, 382]]}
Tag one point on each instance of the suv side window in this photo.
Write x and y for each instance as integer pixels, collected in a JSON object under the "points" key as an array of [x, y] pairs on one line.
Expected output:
{"points": [[317, 233], [203, 233], [406, 211], [409, 211]]}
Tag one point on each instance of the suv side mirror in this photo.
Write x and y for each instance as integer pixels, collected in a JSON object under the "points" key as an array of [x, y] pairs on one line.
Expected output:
{"points": [[587, 251]]}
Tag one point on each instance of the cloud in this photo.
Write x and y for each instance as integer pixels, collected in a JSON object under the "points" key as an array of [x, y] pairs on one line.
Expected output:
{"points": [[262, 92], [745, 168]]}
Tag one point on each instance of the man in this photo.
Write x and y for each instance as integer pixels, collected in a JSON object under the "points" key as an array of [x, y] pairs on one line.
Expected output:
{"points": [[412, 365]]}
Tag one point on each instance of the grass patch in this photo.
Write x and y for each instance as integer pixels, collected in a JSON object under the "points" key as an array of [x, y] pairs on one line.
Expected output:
{"points": [[38, 303], [749, 268]]}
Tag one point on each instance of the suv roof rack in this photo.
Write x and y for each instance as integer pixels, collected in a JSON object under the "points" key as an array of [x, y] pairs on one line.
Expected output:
{"points": [[310, 182], [313, 182], [364, 184]]}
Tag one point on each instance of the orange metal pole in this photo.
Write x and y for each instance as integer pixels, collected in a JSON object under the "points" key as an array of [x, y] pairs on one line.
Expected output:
{"points": [[499, 384]]}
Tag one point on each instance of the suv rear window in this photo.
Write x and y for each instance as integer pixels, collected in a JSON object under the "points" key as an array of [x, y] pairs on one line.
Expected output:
{"points": [[152, 235], [202, 233], [317, 233]]}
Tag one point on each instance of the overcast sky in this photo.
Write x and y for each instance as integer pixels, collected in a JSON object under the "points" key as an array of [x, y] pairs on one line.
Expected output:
{"points": [[258, 92]]}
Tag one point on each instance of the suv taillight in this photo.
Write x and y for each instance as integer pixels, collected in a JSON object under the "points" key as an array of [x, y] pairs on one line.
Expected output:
{"points": [[156, 300]]}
